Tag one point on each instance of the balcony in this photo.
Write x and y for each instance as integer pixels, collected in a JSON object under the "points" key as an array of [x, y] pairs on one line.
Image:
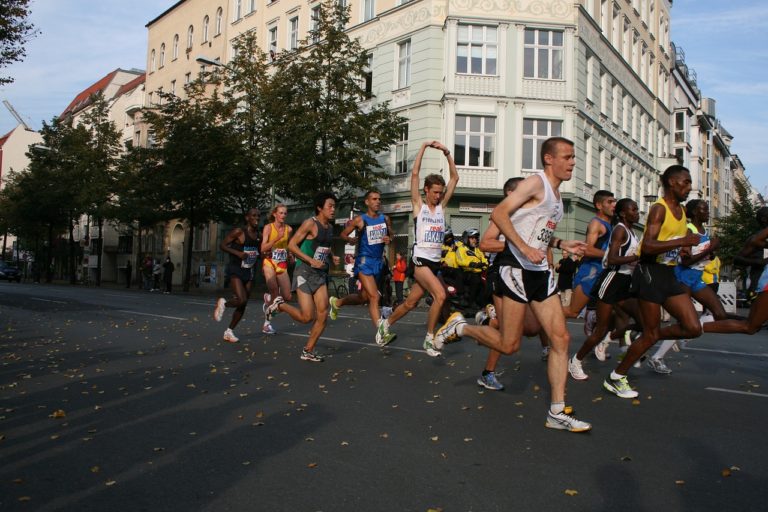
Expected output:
{"points": [[478, 85], [478, 177]]}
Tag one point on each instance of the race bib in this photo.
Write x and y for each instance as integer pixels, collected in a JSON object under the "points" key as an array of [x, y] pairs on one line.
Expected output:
{"points": [[376, 233], [433, 237], [321, 254], [251, 255], [279, 255], [543, 234], [670, 257]]}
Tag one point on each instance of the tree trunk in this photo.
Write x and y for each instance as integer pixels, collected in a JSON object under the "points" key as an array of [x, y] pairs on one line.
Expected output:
{"points": [[101, 250], [72, 262], [188, 263], [49, 256], [138, 267], [5, 243]]}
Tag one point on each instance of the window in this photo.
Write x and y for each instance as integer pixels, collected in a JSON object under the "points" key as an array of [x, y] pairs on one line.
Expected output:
{"points": [[125, 244], [237, 12], [152, 63], [175, 48], [404, 64], [187, 78], [205, 29], [604, 80], [202, 238], [601, 158], [635, 119], [681, 128], [535, 132], [293, 33], [315, 26], [626, 42], [476, 50], [604, 17], [643, 130], [162, 55], [616, 28], [543, 54], [219, 18], [627, 104], [252, 6], [367, 81], [615, 106], [590, 78], [475, 141], [588, 159], [150, 99], [369, 9], [401, 151], [614, 173], [173, 87], [624, 170], [190, 37], [272, 43]]}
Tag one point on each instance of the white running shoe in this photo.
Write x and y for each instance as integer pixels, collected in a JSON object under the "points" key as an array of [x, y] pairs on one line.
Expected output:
{"points": [[481, 317], [562, 421], [449, 331], [620, 387], [658, 365], [272, 308], [600, 348], [230, 337], [429, 347], [268, 329], [575, 369], [218, 311]]}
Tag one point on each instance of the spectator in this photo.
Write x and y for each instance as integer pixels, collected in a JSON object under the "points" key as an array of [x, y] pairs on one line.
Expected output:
{"points": [[157, 269], [472, 263], [398, 276], [168, 269]]}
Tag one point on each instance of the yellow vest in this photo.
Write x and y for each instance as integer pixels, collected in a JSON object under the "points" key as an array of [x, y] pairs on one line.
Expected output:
{"points": [[671, 229]]}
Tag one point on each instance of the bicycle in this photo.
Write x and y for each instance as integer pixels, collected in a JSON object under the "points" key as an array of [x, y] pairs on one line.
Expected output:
{"points": [[337, 285]]}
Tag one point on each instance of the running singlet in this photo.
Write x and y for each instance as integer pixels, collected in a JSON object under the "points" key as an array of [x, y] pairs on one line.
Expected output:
{"points": [[371, 243], [702, 246], [430, 229], [628, 248], [318, 248], [536, 225], [671, 229], [278, 258], [250, 247], [601, 243]]}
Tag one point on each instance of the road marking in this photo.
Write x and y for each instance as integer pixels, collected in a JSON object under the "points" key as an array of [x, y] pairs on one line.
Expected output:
{"points": [[49, 300], [728, 352], [200, 303], [150, 314], [115, 295], [368, 318], [736, 392], [405, 349]]}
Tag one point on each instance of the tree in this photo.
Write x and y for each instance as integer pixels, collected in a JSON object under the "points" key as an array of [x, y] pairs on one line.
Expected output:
{"points": [[735, 228], [321, 133], [15, 31], [197, 155]]}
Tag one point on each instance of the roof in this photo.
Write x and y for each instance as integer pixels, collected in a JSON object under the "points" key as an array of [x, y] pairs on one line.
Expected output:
{"points": [[82, 99], [165, 12], [124, 89], [4, 138]]}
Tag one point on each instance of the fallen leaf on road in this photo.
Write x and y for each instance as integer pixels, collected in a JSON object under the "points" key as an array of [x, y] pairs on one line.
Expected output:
{"points": [[110, 483], [59, 413], [635, 402], [435, 438], [679, 482], [95, 469], [312, 465], [571, 492], [726, 472]]}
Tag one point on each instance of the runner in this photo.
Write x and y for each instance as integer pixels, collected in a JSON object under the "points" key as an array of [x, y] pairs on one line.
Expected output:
{"points": [[242, 244], [274, 247], [653, 280], [528, 218], [311, 245], [374, 232], [493, 242], [430, 228], [612, 287]]}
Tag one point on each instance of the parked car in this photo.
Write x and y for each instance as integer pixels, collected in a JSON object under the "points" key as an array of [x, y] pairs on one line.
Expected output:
{"points": [[9, 272]]}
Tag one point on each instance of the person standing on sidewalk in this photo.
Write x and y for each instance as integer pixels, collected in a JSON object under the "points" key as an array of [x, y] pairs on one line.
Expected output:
{"points": [[242, 245], [398, 276], [168, 268], [311, 245]]}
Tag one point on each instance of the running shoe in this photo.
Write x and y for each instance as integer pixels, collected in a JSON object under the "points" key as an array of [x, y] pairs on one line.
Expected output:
{"points": [[590, 320], [267, 300], [268, 329], [481, 318], [429, 347], [218, 311], [272, 308], [706, 319], [619, 387], [230, 337], [387, 338], [600, 348], [544, 353], [334, 313], [562, 421], [489, 381], [575, 369], [381, 331], [490, 310], [311, 355], [450, 330], [658, 365]]}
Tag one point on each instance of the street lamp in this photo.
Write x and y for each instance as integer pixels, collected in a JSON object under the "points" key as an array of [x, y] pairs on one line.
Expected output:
{"points": [[202, 59]]}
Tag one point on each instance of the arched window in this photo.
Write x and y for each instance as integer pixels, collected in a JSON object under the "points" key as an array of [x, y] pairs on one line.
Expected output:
{"points": [[162, 55], [205, 29], [175, 49], [190, 37], [219, 18], [152, 61]]}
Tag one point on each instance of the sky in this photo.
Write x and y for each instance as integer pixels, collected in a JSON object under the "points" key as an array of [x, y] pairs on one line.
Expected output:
{"points": [[726, 43]]}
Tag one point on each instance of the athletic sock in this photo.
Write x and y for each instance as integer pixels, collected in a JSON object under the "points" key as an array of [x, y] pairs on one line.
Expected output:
{"points": [[666, 345], [557, 407], [616, 376]]}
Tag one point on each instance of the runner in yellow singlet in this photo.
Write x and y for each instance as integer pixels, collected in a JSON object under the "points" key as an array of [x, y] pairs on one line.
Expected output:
{"points": [[274, 247]]}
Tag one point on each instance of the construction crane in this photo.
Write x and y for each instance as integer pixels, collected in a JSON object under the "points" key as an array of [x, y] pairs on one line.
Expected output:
{"points": [[16, 115]]}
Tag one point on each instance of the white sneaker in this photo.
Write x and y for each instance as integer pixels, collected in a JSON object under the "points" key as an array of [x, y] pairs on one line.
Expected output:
{"points": [[272, 309], [218, 311], [481, 317], [600, 348], [575, 369], [230, 337], [449, 331], [658, 365], [620, 387], [562, 421], [268, 329], [429, 347]]}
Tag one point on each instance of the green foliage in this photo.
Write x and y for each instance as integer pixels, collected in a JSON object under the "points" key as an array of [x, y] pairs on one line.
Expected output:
{"points": [[734, 229], [321, 135], [15, 31]]}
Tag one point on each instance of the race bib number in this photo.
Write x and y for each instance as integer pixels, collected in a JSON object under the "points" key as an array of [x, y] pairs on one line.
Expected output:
{"points": [[433, 237], [321, 254], [279, 255], [543, 235], [670, 257], [376, 233], [251, 255]]}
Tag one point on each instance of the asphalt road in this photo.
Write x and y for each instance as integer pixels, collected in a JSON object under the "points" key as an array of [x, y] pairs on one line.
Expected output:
{"points": [[114, 399]]}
